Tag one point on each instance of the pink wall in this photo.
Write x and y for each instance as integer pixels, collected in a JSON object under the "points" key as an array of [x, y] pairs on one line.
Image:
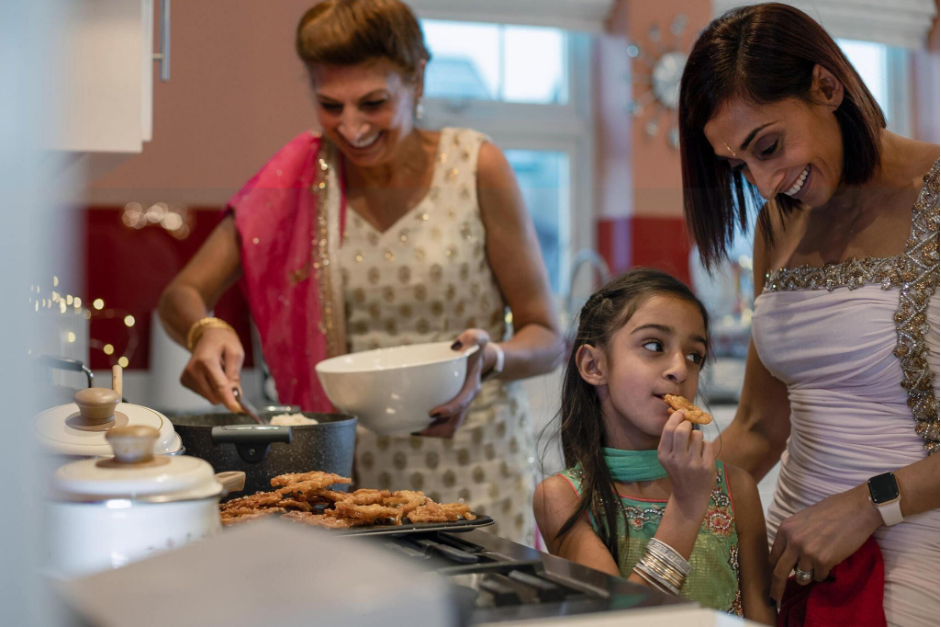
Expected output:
{"points": [[649, 165], [639, 185], [613, 128], [925, 88], [237, 92]]}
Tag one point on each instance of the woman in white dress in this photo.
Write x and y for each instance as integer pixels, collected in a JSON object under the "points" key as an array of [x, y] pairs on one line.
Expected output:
{"points": [[841, 383], [377, 233]]}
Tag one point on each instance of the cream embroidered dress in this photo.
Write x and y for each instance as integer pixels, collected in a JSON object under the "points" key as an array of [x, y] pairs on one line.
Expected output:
{"points": [[857, 345], [427, 279]]}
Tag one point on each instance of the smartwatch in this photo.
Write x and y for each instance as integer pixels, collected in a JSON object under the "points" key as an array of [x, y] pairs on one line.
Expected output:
{"points": [[884, 494]]}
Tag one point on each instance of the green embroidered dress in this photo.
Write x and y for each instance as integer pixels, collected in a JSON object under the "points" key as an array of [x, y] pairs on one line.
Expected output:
{"points": [[713, 580]]}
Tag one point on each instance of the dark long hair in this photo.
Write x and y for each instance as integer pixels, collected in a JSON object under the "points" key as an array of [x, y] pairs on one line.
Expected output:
{"points": [[762, 53], [581, 424]]}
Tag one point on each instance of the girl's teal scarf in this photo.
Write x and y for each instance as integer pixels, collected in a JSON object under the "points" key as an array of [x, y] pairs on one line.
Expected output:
{"points": [[629, 466]]}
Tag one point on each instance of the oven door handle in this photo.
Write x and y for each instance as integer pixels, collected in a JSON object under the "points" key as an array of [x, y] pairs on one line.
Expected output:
{"points": [[451, 553]]}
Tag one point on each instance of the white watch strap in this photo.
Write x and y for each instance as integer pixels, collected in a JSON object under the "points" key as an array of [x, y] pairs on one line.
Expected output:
{"points": [[498, 362], [891, 512]]}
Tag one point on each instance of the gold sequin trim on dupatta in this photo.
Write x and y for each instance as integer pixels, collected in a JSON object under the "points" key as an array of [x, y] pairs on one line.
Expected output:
{"points": [[325, 236], [916, 273]]}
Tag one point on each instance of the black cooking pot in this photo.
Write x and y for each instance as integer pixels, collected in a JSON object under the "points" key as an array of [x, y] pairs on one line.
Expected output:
{"points": [[235, 442]]}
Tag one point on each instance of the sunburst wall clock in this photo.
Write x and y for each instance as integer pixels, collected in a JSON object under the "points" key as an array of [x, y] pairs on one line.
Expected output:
{"points": [[656, 81]]}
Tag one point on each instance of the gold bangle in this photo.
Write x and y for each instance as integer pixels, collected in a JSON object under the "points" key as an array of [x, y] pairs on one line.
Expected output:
{"points": [[198, 327]]}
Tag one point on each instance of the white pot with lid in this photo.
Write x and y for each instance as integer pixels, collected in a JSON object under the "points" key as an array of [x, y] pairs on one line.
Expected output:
{"points": [[106, 513], [79, 429]]}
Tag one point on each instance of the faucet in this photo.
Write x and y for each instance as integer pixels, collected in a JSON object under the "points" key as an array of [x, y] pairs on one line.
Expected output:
{"points": [[585, 256]]}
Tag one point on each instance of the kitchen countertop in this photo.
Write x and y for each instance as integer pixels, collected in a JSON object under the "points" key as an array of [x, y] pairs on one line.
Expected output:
{"points": [[621, 596], [629, 603], [678, 616]]}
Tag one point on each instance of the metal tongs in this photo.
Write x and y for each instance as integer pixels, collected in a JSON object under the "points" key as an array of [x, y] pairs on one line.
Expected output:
{"points": [[247, 407]]}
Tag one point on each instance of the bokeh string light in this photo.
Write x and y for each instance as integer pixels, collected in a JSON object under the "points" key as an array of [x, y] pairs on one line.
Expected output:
{"points": [[175, 218], [67, 304]]}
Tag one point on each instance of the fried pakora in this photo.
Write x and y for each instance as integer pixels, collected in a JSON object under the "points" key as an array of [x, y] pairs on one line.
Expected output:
{"points": [[298, 494], [314, 479], [693, 413]]}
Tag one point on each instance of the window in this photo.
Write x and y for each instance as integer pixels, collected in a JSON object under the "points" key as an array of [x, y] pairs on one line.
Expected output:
{"points": [[496, 62], [869, 59], [528, 89], [884, 69], [543, 176]]}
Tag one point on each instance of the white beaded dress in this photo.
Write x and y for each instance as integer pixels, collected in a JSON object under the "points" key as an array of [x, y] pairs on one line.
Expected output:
{"points": [[857, 345]]}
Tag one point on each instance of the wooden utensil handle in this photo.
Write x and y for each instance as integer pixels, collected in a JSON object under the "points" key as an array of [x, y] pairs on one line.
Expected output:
{"points": [[117, 380]]}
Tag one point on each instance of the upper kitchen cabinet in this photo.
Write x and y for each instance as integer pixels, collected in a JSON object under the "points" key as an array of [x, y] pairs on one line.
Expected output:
{"points": [[105, 74]]}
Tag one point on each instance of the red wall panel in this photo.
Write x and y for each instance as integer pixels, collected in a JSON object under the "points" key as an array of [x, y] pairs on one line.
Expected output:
{"points": [[652, 242], [128, 268]]}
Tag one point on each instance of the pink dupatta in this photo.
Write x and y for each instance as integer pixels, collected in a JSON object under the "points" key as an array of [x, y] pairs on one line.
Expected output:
{"points": [[289, 217]]}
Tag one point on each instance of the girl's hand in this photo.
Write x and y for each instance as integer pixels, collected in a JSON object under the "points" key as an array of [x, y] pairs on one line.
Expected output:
{"points": [[215, 366], [821, 536], [450, 416], [691, 464]]}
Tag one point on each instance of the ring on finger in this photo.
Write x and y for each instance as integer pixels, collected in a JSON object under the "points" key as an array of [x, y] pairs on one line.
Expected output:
{"points": [[803, 576]]}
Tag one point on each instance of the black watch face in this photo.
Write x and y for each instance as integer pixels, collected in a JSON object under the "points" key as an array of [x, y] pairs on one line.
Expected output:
{"points": [[883, 488]]}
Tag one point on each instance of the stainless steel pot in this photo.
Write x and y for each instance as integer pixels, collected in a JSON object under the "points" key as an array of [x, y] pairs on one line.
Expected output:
{"points": [[234, 442]]}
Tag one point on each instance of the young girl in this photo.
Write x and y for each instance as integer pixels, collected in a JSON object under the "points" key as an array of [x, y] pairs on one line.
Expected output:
{"points": [[645, 474]]}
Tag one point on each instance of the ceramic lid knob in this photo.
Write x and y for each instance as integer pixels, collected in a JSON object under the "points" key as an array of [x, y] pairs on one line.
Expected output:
{"points": [[133, 444], [97, 405]]}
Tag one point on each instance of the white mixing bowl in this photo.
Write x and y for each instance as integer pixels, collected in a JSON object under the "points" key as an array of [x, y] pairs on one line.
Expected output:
{"points": [[392, 390]]}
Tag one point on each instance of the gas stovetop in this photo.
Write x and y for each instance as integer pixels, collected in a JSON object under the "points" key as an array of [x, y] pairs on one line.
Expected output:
{"points": [[495, 580]]}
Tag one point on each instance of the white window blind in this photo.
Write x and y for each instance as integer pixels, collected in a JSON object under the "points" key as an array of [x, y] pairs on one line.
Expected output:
{"points": [[573, 15], [904, 23]]}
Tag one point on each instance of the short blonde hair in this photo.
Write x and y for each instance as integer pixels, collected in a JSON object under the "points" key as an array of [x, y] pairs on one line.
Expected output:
{"points": [[349, 32]]}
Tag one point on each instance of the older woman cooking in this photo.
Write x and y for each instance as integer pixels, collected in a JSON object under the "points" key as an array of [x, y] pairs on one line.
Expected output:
{"points": [[375, 234]]}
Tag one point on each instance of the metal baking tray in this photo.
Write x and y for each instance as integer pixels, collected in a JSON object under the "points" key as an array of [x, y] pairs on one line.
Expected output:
{"points": [[398, 530]]}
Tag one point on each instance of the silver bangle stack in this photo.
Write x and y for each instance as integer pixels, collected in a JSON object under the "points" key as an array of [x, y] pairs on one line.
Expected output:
{"points": [[662, 567]]}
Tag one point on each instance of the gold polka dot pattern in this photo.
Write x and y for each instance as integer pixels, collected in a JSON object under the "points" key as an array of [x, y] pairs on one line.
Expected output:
{"points": [[425, 279]]}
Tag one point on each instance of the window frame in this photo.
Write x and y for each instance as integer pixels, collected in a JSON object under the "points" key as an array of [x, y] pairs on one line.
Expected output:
{"points": [[898, 70], [566, 128], [898, 88]]}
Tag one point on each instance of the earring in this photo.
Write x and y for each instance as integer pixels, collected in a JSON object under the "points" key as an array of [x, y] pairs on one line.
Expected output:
{"points": [[419, 109]]}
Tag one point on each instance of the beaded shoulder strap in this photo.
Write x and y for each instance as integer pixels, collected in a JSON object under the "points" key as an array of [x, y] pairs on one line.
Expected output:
{"points": [[916, 273], [918, 270]]}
